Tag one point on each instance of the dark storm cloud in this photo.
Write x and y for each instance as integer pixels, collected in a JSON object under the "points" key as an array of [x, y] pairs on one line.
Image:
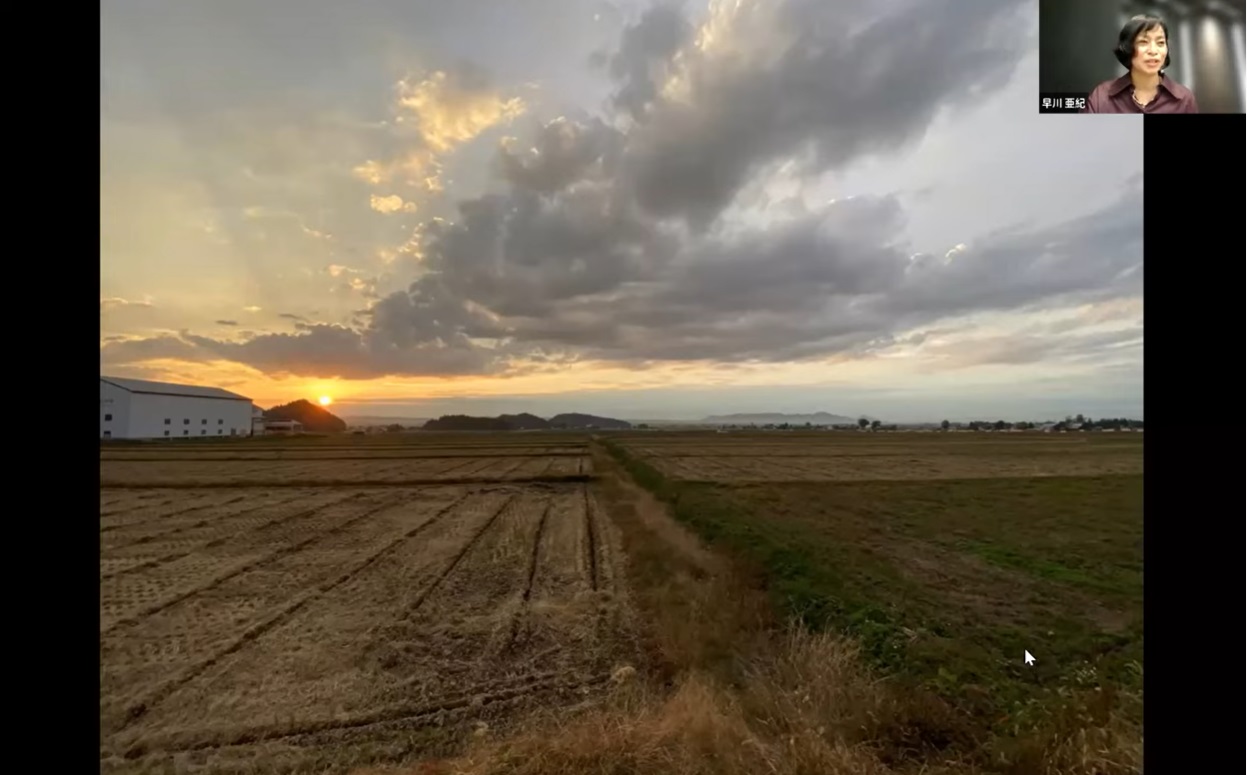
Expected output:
{"points": [[606, 242], [645, 56], [563, 152], [834, 81], [344, 352]]}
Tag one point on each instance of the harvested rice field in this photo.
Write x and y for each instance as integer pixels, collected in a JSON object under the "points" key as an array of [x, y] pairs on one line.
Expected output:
{"points": [[849, 456], [254, 618]]}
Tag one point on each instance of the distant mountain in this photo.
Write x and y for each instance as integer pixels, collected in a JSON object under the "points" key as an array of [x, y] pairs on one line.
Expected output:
{"points": [[462, 422], [777, 418], [364, 421], [577, 420], [522, 422], [314, 418]]}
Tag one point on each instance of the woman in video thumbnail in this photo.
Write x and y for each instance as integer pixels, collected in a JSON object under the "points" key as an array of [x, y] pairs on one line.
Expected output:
{"points": [[1143, 49]]}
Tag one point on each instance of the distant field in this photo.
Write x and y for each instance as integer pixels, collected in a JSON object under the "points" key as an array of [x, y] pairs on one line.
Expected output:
{"points": [[419, 459], [257, 624], [849, 456], [947, 555]]}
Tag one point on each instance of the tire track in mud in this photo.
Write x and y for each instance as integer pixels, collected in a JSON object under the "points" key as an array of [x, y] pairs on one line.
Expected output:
{"points": [[162, 535], [255, 631], [164, 516], [457, 468], [591, 538], [432, 586], [546, 468], [518, 617], [156, 562], [151, 610], [502, 475], [521, 688], [472, 468], [122, 495]]}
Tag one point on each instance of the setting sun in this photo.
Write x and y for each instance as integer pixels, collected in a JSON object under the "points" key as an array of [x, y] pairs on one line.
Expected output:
{"points": [[325, 400]]}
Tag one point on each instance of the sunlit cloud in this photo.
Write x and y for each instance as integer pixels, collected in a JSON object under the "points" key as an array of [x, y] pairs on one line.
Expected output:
{"points": [[116, 302], [434, 115], [449, 113], [390, 204]]}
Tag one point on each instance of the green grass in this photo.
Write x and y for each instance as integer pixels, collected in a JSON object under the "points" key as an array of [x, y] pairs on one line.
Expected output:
{"points": [[946, 583]]}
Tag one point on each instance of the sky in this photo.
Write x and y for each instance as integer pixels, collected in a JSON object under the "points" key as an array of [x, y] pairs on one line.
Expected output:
{"points": [[635, 209]]}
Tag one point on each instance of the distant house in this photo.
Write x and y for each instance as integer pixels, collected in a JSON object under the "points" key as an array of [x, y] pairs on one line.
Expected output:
{"points": [[257, 421], [283, 427]]}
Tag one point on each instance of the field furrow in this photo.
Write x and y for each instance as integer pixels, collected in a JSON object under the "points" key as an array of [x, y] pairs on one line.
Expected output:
{"points": [[193, 575], [318, 604], [319, 570], [322, 659], [199, 524], [158, 507]]}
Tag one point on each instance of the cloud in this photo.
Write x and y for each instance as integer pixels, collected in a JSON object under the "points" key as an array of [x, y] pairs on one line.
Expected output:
{"points": [[227, 322], [116, 302], [563, 152], [134, 351], [390, 204], [827, 83], [645, 57], [451, 109], [606, 241], [433, 115]]}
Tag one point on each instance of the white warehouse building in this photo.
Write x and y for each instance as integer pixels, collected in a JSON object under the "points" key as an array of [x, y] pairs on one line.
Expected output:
{"points": [[141, 409]]}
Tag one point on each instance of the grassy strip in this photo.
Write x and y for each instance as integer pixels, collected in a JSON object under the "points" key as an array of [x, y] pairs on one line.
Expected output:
{"points": [[1088, 690]]}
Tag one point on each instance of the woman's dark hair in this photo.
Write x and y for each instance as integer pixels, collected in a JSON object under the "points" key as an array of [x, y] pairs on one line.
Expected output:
{"points": [[1133, 29]]}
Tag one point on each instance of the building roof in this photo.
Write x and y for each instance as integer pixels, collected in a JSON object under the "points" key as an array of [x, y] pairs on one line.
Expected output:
{"points": [[170, 389]]}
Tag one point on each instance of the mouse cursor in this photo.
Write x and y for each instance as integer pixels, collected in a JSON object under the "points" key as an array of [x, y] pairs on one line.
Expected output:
{"points": [[1028, 658]]}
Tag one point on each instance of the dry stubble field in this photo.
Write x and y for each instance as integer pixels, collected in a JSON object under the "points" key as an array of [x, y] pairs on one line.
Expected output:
{"points": [[271, 607], [848, 456]]}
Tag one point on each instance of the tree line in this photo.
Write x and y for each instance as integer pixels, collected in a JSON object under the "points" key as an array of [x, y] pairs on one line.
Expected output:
{"points": [[1076, 422]]}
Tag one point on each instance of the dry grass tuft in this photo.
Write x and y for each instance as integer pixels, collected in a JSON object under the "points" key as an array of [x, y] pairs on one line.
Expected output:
{"points": [[804, 706], [700, 728]]}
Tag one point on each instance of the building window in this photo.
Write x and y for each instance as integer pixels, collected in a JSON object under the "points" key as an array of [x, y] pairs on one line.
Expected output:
{"points": [[186, 421], [108, 418], [219, 431], [186, 433], [108, 434], [167, 421], [203, 433], [219, 421], [203, 422], [166, 433]]}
